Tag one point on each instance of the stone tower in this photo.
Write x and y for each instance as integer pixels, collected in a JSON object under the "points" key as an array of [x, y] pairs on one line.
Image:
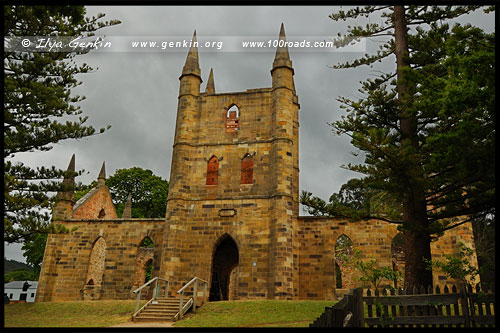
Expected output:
{"points": [[233, 197]]}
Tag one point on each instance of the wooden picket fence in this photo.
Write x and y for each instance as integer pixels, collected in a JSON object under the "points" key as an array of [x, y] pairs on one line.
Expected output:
{"points": [[449, 307]]}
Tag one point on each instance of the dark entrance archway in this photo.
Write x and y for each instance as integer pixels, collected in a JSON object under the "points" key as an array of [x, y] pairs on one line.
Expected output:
{"points": [[225, 258]]}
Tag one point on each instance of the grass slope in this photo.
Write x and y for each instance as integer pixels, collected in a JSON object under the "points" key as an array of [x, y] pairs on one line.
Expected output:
{"points": [[68, 314], [265, 313], [268, 313]]}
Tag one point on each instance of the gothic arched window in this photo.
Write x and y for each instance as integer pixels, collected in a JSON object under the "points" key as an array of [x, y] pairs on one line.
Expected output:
{"points": [[212, 171], [247, 169], [232, 119]]}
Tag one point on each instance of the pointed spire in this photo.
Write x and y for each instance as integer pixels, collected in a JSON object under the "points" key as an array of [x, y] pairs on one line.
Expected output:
{"points": [[127, 212], [210, 89], [192, 65], [65, 198], [68, 183], [101, 179], [282, 58], [71, 166]]}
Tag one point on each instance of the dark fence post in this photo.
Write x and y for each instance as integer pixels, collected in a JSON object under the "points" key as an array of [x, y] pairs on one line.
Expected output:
{"points": [[357, 308], [329, 317], [465, 306]]}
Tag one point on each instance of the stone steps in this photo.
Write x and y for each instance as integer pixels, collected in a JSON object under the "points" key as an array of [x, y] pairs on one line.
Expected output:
{"points": [[161, 310]]}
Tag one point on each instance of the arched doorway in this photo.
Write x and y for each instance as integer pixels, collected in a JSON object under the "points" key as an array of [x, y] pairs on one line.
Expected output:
{"points": [[225, 259]]}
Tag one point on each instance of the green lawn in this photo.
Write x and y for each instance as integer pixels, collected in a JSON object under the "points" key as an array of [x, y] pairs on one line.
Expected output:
{"points": [[258, 313], [268, 313], [68, 314]]}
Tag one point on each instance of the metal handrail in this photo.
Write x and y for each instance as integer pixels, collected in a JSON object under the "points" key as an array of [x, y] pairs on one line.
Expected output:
{"points": [[155, 293], [145, 284], [137, 311], [203, 281], [150, 281], [186, 285], [183, 309]]}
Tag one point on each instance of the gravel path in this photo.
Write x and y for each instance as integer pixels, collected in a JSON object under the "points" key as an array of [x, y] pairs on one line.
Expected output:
{"points": [[145, 324]]}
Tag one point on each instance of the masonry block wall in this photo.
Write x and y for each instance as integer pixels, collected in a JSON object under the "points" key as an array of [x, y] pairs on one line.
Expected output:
{"points": [[317, 237], [67, 259]]}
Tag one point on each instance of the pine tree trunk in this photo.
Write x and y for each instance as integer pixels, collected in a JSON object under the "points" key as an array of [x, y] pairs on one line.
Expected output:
{"points": [[416, 233]]}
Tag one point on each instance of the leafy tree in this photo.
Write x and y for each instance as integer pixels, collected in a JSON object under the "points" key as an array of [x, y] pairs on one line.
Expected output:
{"points": [[355, 201], [20, 274], [33, 252], [149, 192], [427, 129], [39, 111], [458, 266], [369, 269]]}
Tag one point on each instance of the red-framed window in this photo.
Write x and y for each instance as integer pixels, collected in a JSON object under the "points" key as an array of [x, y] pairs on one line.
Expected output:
{"points": [[212, 171]]}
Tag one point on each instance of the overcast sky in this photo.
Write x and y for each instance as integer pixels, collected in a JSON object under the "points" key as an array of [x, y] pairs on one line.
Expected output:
{"points": [[136, 92]]}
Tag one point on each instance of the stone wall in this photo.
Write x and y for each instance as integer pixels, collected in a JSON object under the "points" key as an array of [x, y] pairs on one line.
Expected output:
{"points": [[191, 242], [209, 138], [67, 261], [317, 237]]}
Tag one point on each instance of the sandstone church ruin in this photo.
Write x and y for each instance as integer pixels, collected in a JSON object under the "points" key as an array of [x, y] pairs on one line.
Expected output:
{"points": [[232, 216]]}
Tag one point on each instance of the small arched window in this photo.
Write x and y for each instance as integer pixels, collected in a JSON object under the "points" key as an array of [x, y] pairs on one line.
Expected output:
{"points": [[147, 242], [247, 169], [212, 171], [232, 119]]}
